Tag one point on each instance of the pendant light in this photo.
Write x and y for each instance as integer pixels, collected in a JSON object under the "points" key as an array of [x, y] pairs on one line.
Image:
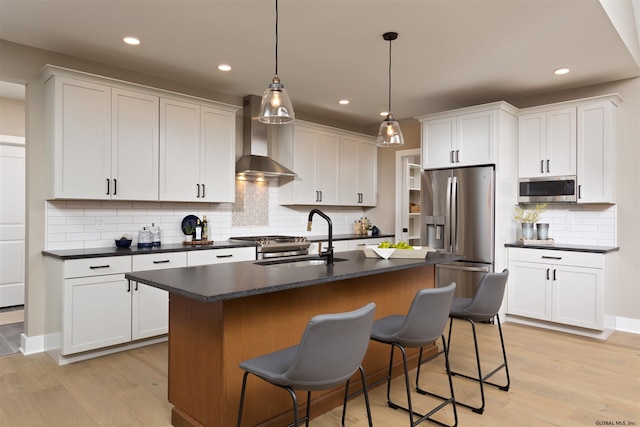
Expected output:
{"points": [[390, 133], [276, 107]]}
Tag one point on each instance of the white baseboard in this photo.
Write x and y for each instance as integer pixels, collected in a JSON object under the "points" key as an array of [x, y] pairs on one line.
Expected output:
{"points": [[626, 324], [31, 345], [591, 333]]}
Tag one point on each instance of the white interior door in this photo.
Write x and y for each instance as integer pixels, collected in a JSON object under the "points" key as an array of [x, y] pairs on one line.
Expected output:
{"points": [[12, 220]]}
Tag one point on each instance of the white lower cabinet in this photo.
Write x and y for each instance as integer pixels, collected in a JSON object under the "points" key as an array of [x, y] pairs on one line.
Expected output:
{"points": [[564, 287], [91, 306], [219, 256], [150, 306]]}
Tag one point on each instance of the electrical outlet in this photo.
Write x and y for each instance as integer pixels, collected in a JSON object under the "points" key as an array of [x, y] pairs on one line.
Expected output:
{"points": [[99, 224]]}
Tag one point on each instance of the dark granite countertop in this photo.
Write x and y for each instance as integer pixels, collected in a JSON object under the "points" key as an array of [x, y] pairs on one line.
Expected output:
{"points": [[179, 247], [242, 279], [566, 247], [135, 250]]}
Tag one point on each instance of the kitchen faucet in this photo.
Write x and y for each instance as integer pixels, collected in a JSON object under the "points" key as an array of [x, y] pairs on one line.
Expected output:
{"points": [[329, 252]]}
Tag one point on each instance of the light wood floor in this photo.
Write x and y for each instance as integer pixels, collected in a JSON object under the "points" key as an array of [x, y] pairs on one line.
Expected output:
{"points": [[556, 380]]}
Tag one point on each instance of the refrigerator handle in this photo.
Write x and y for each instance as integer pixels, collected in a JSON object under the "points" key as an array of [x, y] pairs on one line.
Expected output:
{"points": [[448, 224], [454, 215]]}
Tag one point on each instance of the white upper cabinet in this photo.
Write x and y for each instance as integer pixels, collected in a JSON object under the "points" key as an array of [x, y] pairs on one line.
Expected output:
{"points": [[547, 143], [134, 145], [597, 152], [112, 140], [465, 137], [572, 138], [197, 152], [358, 171], [78, 116], [333, 167], [105, 141]]}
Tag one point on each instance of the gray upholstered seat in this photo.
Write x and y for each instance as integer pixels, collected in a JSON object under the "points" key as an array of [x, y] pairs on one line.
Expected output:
{"points": [[483, 308], [330, 352], [422, 325]]}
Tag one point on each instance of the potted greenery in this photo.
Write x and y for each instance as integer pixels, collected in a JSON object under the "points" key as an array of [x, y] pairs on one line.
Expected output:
{"points": [[528, 217], [188, 232]]}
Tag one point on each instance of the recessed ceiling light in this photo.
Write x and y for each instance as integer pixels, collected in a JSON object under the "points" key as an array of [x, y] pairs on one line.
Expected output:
{"points": [[343, 102], [132, 41], [561, 71], [224, 67]]}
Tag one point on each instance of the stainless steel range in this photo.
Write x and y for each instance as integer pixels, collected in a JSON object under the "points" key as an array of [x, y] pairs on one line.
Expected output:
{"points": [[269, 247]]}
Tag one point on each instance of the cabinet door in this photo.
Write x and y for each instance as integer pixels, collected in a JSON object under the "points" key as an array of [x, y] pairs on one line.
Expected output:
{"points": [[327, 169], [358, 172], [82, 138], [474, 135], [179, 151], [596, 153], [135, 146], [150, 306], [577, 296], [150, 311], [529, 290], [368, 173], [97, 312], [217, 155], [305, 190], [349, 165], [531, 145], [561, 142], [438, 142]]}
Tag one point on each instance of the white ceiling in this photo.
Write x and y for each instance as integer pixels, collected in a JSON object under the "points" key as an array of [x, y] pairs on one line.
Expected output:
{"points": [[449, 53]]}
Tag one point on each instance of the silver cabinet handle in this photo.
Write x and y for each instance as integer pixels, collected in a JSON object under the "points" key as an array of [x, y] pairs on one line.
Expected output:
{"points": [[457, 156], [164, 261], [551, 257], [93, 267], [548, 166], [541, 166], [224, 256]]}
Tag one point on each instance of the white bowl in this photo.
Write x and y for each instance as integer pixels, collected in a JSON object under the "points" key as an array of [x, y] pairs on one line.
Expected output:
{"points": [[384, 252]]}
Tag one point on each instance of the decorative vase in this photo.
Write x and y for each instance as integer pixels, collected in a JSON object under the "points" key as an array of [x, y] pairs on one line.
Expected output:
{"points": [[527, 230], [543, 231], [188, 237]]}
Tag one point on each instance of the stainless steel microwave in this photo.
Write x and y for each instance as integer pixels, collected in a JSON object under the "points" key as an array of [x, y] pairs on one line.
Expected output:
{"points": [[548, 189]]}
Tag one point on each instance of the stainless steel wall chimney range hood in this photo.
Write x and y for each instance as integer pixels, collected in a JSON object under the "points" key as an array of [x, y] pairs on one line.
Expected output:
{"points": [[254, 162]]}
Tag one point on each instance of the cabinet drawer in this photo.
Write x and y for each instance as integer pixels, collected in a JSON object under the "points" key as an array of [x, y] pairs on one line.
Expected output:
{"points": [[87, 267], [546, 256], [218, 256], [159, 261]]}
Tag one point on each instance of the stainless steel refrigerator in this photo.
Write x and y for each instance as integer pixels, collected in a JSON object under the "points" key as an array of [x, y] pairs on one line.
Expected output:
{"points": [[458, 216]]}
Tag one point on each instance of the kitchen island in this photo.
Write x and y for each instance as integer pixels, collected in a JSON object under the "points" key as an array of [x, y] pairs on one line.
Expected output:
{"points": [[220, 315]]}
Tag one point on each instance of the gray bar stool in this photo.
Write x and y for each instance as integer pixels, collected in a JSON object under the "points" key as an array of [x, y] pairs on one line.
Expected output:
{"points": [[330, 352], [483, 308], [424, 324]]}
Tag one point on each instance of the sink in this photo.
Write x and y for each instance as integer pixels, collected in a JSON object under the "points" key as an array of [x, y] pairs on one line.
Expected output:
{"points": [[298, 262]]}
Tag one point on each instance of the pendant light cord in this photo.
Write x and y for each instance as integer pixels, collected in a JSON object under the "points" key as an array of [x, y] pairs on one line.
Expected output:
{"points": [[389, 112], [276, 37]]}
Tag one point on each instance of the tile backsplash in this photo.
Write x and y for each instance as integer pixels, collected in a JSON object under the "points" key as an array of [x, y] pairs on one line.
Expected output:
{"points": [[93, 224], [582, 224]]}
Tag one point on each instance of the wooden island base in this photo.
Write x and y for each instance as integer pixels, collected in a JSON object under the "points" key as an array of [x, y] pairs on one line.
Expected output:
{"points": [[207, 342]]}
